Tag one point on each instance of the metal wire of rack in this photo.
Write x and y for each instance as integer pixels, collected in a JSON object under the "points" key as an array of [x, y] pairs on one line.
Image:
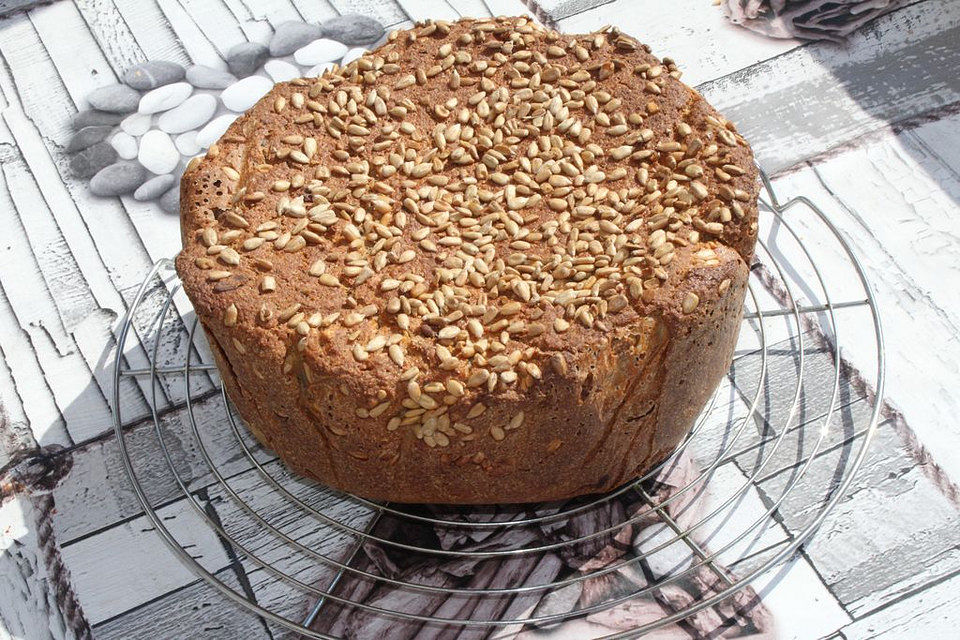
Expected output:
{"points": [[286, 496]]}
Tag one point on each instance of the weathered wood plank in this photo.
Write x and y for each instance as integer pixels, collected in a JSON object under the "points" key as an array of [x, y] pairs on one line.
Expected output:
{"points": [[99, 479], [734, 525], [906, 515], [702, 41], [17, 428], [158, 233], [29, 606], [315, 534], [931, 613], [470, 8], [9, 6], [419, 10], [146, 31], [100, 565], [48, 304], [25, 391], [254, 30], [758, 449], [199, 47], [507, 8], [789, 593], [720, 425], [315, 10], [114, 34], [273, 11], [908, 263], [823, 95], [196, 610], [387, 12], [937, 138], [216, 22], [801, 606]]}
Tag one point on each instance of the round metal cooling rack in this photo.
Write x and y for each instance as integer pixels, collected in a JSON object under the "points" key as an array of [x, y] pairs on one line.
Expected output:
{"points": [[296, 501]]}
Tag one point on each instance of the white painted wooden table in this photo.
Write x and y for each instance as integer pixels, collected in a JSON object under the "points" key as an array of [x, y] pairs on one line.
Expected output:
{"points": [[870, 130]]}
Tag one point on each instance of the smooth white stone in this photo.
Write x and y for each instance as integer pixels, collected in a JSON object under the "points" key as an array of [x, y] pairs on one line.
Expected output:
{"points": [[352, 55], [281, 70], [243, 94], [137, 124], [165, 97], [193, 113], [318, 51], [157, 153], [125, 145], [214, 129], [187, 143]]}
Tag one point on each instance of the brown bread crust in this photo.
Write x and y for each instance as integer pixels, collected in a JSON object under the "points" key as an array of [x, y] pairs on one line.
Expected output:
{"points": [[585, 396]]}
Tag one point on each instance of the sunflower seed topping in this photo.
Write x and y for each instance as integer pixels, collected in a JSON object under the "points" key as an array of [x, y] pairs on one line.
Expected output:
{"points": [[465, 214]]}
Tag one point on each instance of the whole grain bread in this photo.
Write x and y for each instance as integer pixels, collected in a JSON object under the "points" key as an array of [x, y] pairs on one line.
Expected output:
{"points": [[485, 262]]}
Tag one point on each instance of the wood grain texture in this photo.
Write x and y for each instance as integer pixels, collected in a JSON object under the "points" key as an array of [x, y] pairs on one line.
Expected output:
{"points": [[470, 8], [891, 511], [150, 236], [212, 19], [759, 449], [101, 565], [89, 225], [932, 613], [254, 30], [16, 432], [507, 8], [279, 593], [389, 13], [28, 395], [28, 608], [824, 95], [703, 42], [148, 32], [315, 10], [99, 478], [792, 590], [907, 263], [194, 611], [87, 278], [272, 11]]}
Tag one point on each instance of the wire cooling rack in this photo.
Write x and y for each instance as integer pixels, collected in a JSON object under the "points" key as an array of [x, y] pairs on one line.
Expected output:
{"points": [[308, 565]]}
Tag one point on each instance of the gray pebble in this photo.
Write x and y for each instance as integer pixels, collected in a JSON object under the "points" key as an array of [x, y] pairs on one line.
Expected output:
{"points": [[246, 57], [204, 77], [352, 29], [152, 74], [118, 178], [290, 36], [88, 136], [170, 201], [115, 98], [154, 187], [92, 117], [88, 162]]}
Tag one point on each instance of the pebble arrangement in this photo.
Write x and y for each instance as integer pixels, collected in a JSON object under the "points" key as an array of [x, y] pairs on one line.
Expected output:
{"points": [[138, 135]]}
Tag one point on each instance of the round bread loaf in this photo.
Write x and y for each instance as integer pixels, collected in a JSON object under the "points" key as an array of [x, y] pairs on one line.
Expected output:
{"points": [[486, 262]]}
